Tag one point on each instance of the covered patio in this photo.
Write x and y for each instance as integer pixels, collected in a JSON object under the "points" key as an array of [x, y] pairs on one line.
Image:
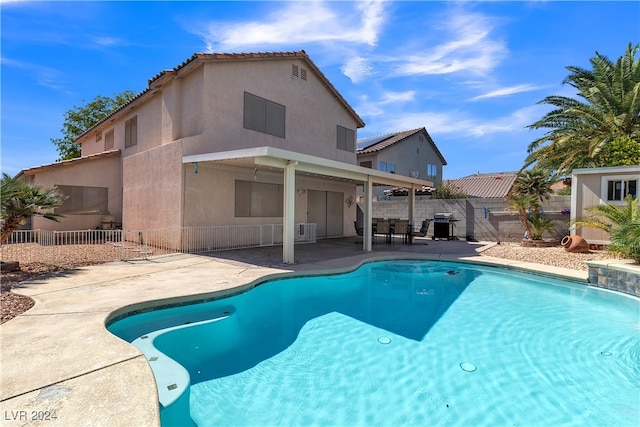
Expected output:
{"points": [[292, 165]]}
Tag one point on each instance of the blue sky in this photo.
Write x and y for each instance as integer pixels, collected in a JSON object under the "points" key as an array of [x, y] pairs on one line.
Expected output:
{"points": [[472, 73]]}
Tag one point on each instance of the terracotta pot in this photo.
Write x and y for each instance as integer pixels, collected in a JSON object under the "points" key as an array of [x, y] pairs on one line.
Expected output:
{"points": [[575, 244]]}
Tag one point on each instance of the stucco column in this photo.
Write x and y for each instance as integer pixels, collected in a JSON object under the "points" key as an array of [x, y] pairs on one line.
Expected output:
{"points": [[288, 217], [368, 207]]}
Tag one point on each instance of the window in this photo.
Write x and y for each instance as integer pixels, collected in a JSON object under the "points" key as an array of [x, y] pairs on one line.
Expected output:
{"points": [[346, 139], [83, 200], [258, 199], [432, 171], [108, 140], [98, 136], [366, 164], [387, 167], [131, 132], [617, 188], [263, 115]]}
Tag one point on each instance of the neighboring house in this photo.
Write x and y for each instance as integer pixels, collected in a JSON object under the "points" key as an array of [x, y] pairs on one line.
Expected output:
{"points": [[409, 153], [595, 186], [224, 140], [485, 185]]}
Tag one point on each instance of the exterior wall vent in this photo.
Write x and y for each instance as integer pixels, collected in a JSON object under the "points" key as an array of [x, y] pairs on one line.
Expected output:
{"points": [[298, 72]]}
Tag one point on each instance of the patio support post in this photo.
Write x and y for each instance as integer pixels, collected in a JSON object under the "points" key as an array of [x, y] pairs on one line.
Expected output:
{"points": [[412, 205], [288, 217], [368, 207]]}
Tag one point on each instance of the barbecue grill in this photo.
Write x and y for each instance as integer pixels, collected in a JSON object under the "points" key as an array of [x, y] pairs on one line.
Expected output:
{"points": [[442, 226]]}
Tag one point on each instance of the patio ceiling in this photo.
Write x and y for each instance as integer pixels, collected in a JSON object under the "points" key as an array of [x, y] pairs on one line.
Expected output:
{"points": [[270, 158]]}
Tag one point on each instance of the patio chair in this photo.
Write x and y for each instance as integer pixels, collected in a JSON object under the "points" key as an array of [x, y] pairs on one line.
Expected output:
{"points": [[401, 228], [424, 229], [383, 227]]}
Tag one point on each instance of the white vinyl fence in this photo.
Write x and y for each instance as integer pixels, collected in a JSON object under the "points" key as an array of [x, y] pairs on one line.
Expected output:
{"points": [[94, 246]]}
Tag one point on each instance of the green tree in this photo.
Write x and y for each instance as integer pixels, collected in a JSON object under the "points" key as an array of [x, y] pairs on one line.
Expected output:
{"points": [[78, 119], [622, 151], [534, 183], [608, 110], [21, 200], [448, 191]]}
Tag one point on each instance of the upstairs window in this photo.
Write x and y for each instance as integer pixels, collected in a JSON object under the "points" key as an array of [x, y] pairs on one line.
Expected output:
{"points": [[346, 139], [263, 115], [432, 171], [387, 167], [108, 140], [131, 132]]}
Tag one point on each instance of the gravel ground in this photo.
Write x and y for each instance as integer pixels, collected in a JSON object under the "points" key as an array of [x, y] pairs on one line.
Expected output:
{"points": [[71, 257], [556, 256]]}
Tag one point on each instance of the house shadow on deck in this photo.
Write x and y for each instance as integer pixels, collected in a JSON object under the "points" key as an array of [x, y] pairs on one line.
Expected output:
{"points": [[345, 247]]}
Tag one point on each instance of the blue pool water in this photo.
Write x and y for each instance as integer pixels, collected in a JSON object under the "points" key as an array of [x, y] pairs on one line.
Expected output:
{"points": [[398, 343]]}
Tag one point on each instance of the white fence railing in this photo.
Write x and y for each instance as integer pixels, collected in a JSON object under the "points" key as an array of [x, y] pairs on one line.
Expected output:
{"points": [[91, 246]]}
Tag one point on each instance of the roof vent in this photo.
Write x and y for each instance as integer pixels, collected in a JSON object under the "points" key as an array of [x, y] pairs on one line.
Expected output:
{"points": [[294, 70]]}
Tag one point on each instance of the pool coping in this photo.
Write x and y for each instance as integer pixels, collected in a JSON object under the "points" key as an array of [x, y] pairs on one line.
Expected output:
{"points": [[112, 383]]}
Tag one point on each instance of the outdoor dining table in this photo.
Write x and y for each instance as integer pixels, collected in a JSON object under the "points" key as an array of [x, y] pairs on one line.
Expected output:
{"points": [[408, 236]]}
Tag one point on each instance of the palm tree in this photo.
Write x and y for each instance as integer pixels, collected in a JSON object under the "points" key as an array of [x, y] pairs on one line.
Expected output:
{"points": [[534, 183], [609, 217], [579, 129], [521, 203], [21, 200], [626, 240]]}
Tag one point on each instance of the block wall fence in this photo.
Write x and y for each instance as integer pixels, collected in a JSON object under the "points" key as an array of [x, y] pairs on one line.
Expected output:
{"points": [[478, 218]]}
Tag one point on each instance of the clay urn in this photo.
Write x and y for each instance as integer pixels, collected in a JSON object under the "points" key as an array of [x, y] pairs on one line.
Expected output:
{"points": [[575, 244]]}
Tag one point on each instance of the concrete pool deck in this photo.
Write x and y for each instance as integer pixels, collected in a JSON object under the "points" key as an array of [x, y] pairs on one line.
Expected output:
{"points": [[60, 366]]}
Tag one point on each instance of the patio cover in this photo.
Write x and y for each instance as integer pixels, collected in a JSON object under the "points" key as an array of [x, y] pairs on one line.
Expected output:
{"points": [[291, 163]]}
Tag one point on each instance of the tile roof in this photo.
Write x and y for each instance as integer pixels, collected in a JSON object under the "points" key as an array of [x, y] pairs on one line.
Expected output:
{"points": [[156, 81], [486, 184], [102, 155], [376, 143]]}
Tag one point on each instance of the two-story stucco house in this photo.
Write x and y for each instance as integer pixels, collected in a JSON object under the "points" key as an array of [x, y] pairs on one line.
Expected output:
{"points": [[409, 153], [225, 140]]}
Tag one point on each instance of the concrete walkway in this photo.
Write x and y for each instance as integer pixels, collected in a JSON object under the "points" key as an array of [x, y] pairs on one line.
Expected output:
{"points": [[61, 367]]}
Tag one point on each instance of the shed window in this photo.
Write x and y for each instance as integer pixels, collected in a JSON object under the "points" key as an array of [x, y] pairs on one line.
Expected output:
{"points": [[617, 190]]}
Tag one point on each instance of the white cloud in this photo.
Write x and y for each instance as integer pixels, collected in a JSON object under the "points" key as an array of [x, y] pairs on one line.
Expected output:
{"points": [[506, 91], [301, 22], [470, 48], [395, 97], [455, 123], [107, 41], [44, 76], [357, 69]]}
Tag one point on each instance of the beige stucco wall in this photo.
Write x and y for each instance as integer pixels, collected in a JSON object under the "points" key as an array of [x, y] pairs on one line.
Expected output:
{"points": [[152, 189], [210, 196], [312, 112], [89, 173]]}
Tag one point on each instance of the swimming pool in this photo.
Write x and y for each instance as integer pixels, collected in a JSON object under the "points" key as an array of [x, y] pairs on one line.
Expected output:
{"points": [[398, 343]]}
